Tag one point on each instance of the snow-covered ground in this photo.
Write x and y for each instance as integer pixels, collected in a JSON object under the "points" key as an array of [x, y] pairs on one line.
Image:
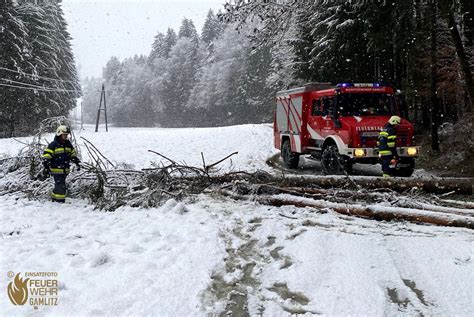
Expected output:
{"points": [[130, 145], [210, 254]]}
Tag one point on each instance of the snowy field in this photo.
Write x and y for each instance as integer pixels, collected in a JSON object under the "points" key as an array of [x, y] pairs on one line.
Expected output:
{"points": [[130, 145], [210, 255]]}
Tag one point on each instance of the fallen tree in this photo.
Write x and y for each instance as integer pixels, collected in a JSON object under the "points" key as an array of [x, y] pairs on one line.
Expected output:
{"points": [[377, 212], [109, 186], [435, 185]]}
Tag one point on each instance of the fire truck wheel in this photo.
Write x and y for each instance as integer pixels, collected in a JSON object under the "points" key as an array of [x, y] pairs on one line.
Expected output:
{"points": [[333, 163], [290, 159]]}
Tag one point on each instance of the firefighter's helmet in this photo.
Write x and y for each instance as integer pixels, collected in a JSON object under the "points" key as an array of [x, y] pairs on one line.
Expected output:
{"points": [[62, 129], [394, 120]]}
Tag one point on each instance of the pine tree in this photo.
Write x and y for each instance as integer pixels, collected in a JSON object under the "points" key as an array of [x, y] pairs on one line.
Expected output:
{"points": [[188, 30], [232, 87], [111, 71], [157, 47], [170, 41], [65, 64], [91, 99], [132, 98], [162, 46], [13, 46], [179, 77], [211, 28], [43, 56]]}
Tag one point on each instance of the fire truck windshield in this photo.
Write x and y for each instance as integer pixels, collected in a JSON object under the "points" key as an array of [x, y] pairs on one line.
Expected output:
{"points": [[365, 104]]}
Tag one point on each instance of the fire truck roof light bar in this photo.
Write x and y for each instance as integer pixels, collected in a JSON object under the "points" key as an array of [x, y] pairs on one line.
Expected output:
{"points": [[343, 85]]}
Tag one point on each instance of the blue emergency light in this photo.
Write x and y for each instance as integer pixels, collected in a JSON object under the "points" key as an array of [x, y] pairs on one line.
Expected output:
{"points": [[343, 85]]}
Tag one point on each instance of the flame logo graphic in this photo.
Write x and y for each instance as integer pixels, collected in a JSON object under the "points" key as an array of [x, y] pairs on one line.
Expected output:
{"points": [[18, 291]]}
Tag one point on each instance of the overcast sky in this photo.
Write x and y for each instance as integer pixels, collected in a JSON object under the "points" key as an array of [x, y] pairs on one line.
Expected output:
{"points": [[105, 28]]}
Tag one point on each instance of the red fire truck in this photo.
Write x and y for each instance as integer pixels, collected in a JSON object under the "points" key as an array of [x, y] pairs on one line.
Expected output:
{"points": [[340, 125]]}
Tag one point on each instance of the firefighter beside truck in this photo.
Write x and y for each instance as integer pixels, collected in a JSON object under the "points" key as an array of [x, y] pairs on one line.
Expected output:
{"points": [[340, 125]]}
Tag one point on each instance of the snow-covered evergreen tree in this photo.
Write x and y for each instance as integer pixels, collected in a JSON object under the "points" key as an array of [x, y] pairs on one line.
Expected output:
{"points": [[232, 84], [188, 30], [157, 47], [132, 105], [170, 41], [46, 83], [211, 29], [179, 77], [90, 101], [14, 49]]}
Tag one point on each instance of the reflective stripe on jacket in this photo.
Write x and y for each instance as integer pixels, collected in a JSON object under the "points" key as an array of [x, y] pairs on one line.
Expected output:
{"points": [[58, 156], [387, 140]]}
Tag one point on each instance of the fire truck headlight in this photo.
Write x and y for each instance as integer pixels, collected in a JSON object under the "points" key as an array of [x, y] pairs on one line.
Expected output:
{"points": [[412, 151], [359, 153]]}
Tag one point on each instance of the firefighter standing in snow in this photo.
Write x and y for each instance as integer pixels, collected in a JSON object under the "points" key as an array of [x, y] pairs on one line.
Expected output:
{"points": [[57, 157], [387, 145]]}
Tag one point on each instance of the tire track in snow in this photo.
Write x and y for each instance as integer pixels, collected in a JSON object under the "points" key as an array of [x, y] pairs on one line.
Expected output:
{"points": [[233, 283], [236, 287], [405, 293]]}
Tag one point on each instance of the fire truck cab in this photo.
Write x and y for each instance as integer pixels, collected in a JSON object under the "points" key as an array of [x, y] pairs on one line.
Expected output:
{"points": [[340, 125]]}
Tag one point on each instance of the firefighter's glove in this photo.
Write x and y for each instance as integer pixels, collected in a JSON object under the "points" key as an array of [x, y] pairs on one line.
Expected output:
{"points": [[46, 172], [76, 161], [393, 163]]}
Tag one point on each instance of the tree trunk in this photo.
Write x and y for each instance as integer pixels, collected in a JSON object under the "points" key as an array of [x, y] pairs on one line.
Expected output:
{"points": [[447, 11], [364, 211], [434, 108]]}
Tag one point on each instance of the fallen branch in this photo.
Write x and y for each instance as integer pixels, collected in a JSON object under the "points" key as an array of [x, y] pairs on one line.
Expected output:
{"points": [[220, 161], [97, 152], [159, 154]]}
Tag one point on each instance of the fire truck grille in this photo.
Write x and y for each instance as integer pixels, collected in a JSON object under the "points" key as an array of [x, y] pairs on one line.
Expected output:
{"points": [[370, 138]]}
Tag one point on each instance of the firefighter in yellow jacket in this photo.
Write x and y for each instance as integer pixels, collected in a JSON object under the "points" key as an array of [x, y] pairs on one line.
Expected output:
{"points": [[56, 160], [387, 145]]}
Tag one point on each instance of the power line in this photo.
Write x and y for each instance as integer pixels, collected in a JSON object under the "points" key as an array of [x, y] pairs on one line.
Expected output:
{"points": [[37, 89], [36, 76], [9, 81]]}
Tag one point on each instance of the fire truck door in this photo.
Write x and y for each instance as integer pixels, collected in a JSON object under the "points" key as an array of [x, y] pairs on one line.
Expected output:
{"points": [[315, 121], [328, 109]]}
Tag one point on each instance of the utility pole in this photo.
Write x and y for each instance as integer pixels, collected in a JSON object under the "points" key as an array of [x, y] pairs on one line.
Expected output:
{"points": [[102, 97]]}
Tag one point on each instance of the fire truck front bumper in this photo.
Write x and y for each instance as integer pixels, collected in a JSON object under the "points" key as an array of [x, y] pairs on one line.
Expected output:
{"points": [[368, 153]]}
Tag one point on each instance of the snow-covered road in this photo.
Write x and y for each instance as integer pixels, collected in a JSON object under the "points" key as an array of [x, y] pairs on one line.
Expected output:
{"points": [[210, 255]]}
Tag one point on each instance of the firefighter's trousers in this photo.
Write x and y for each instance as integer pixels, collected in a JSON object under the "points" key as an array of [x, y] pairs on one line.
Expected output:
{"points": [[385, 161], [60, 189]]}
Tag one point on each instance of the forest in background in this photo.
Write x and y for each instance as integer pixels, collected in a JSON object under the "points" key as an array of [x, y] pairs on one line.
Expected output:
{"points": [[230, 72], [38, 77], [214, 78]]}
